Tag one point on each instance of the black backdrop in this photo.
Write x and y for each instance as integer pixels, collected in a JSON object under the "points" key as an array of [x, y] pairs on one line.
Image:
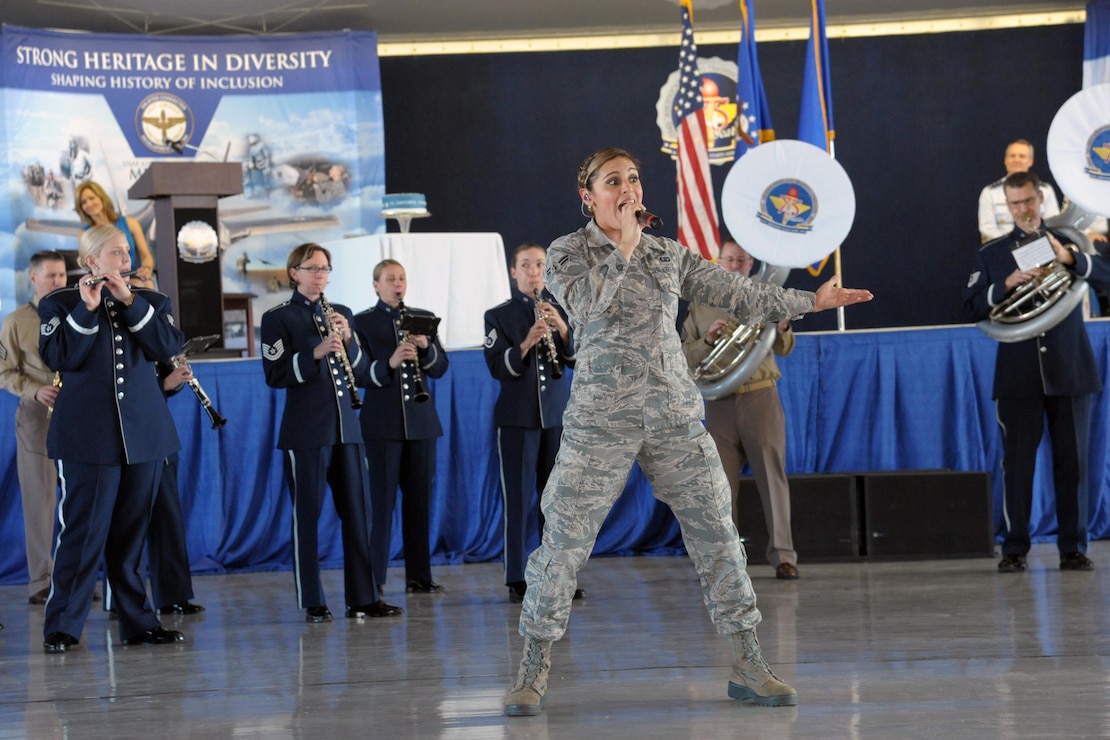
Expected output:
{"points": [[494, 140]]}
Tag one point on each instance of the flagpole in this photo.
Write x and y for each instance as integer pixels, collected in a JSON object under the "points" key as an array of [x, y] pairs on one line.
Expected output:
{"points": [[837, 268]]}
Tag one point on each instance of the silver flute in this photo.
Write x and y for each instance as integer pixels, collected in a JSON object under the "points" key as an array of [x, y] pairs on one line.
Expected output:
{"points": [[101, 278]]}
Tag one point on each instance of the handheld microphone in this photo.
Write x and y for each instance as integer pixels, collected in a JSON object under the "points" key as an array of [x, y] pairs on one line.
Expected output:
{"points": [[650, 220]]}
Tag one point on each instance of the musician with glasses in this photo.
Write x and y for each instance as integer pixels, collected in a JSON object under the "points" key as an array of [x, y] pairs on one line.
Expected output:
{"points": [[528, 348], [109, 432], [1049, 377], [994, 215], [400, 425], [749, 426], [303, 346]]}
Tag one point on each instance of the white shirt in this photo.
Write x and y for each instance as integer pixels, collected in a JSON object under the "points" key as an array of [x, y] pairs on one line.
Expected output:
{"points": [[994, 217]]}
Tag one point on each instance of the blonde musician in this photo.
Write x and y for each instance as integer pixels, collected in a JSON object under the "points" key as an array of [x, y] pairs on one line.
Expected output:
{"points": [[95, 207], [302, 352], [400, 425], [527, 349]]}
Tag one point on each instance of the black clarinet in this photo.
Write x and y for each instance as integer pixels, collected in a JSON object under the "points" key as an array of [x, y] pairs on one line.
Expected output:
{"points": [[548, 340], [344, 360], [420, 393], [205, 402]]}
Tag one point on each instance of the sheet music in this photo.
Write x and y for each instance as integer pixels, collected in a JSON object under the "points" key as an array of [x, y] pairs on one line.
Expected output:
{"points": [[1036, 253]]}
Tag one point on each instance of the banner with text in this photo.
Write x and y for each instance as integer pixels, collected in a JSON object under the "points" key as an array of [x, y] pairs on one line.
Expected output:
{"points": [[301, 113]]}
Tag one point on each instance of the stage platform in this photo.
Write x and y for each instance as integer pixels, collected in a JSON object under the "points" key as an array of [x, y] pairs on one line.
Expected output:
{"points": [[924, 649]]}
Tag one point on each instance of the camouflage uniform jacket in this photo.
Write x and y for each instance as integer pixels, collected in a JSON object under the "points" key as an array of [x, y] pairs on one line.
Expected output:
{"points": [[630, 369]]}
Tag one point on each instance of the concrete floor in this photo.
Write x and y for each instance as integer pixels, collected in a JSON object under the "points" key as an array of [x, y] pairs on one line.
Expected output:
{"points": [[946, 649]]}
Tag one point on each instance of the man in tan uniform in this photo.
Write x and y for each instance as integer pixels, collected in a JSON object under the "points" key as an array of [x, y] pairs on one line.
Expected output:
{"points": [[749, 425], [23, 373]]}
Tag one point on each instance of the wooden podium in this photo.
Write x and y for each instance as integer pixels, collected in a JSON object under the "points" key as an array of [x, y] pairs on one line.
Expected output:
{"points": [[186, 234]]}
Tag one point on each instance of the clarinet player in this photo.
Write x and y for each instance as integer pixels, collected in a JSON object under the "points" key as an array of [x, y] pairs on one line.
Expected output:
{"points": [[303, 346], [528, 347], [400, 425]]}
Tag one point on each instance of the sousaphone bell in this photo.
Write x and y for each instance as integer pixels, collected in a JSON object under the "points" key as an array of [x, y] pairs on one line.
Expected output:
{"points": [[789, 204]]}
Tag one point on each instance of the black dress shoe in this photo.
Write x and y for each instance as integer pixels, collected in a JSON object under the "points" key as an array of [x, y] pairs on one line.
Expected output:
{"points": [[58, 642], [1076, 561], [424, 587], [185, 607], [378, 609], [1011, 564], [579, 594], [39, 597], [317, 614], [156, 636]]}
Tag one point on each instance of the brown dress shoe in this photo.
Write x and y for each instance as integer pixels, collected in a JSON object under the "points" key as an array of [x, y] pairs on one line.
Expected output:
{"points": [[786, 572], [39, 597]]}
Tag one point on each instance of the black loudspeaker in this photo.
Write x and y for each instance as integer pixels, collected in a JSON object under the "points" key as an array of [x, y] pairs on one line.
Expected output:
{"points": [[824, 517], [927, 514]]}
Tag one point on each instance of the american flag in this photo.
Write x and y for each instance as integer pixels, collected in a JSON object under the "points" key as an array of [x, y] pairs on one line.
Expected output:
{"points": [[697, 210]]}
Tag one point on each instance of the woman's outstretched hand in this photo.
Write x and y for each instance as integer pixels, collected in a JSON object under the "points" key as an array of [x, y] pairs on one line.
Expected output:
{"points": [[831, 296]]}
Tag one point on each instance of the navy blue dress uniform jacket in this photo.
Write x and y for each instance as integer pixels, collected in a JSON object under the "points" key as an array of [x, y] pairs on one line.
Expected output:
{"points": [[1059, 362], [107, 361], [390, 411], [318, 410], [529, 396]]}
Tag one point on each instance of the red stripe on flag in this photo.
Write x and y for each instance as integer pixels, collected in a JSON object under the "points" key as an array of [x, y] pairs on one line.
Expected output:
{"points": [[697, 210]]}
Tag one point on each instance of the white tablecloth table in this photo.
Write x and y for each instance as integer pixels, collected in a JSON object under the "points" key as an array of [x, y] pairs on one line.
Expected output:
{"points": [[456, 276]]}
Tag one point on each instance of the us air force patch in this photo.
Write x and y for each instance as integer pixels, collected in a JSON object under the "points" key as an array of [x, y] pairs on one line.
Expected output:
{"points": [[973, 279], [50, 327], [272, 353], [490, 338]]}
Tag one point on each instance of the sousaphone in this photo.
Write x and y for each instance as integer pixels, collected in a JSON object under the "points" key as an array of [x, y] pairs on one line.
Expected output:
{"points": [[739, 350], [1079, 157], [789, 204]]}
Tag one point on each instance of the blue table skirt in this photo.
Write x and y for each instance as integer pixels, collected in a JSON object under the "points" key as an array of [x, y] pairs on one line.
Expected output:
{"points": [[856, 401]]}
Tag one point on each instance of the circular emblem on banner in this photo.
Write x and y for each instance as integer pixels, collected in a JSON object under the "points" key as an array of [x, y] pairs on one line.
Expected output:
{"points": [[163, 122], [788, 203], [717, 79], [1098, 154], [1079, 149], [197, 242]]}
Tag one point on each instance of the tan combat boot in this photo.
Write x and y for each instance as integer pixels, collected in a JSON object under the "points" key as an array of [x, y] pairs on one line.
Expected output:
{"points": [[752, 678], [526, 697]]}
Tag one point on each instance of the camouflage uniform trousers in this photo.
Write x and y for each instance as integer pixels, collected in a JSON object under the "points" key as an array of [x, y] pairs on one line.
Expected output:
{"points": [[590, 472]]}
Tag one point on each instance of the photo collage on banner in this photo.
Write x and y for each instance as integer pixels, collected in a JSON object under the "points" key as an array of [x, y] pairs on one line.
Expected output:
{"points": [[302, 114]]}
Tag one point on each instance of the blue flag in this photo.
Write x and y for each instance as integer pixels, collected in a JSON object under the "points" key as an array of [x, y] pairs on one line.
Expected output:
{"points": [[753, 116], [815, 124], [1096, 43]]}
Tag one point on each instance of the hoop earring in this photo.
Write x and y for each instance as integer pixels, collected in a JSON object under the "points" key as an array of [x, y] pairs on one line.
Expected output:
{"points": [[588, 213]]}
